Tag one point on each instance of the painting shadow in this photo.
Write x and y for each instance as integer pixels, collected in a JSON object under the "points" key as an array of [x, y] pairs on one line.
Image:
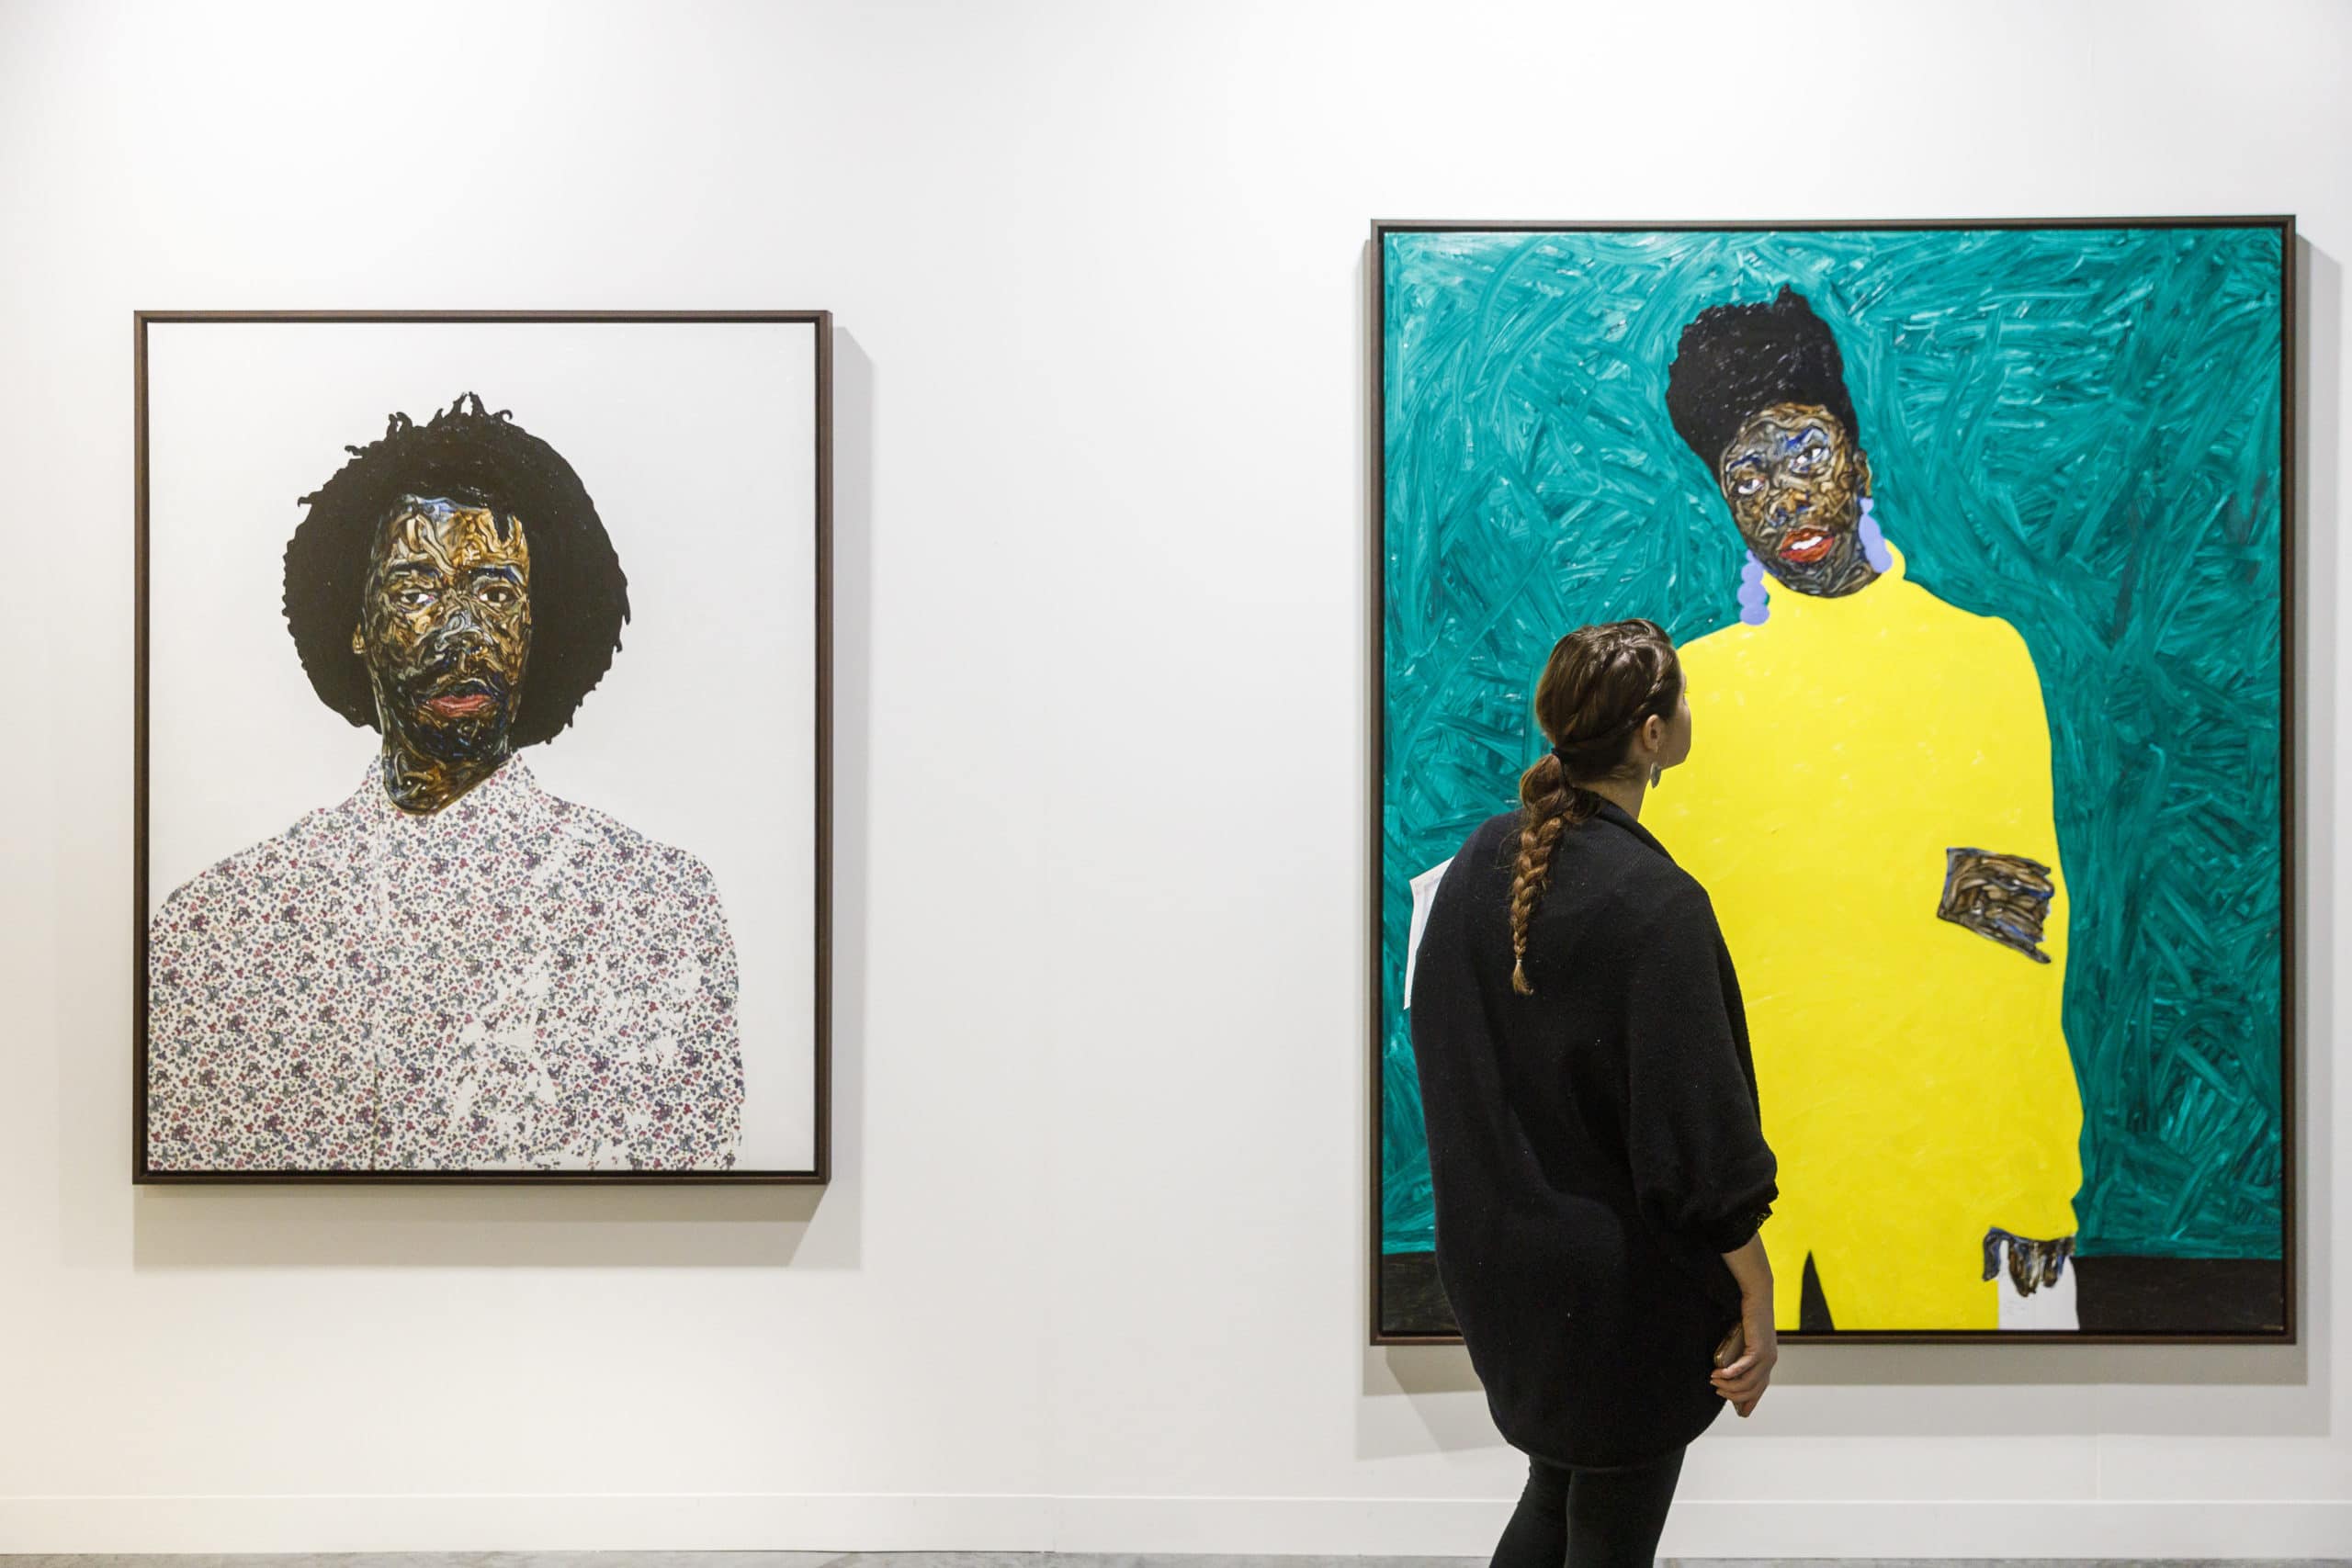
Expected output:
{"points": [[601, 1226], [1417, 1399]]}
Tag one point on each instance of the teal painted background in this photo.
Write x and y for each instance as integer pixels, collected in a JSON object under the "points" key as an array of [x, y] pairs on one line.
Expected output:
{"points": [[2075, 430]]}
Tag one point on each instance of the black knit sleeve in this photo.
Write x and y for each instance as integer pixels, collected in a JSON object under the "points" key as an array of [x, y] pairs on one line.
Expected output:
{"points": [[1731, 1235], [1700, 1166]]}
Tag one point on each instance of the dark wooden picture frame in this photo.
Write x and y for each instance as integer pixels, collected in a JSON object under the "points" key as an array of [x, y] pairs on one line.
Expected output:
{"points": [[1405, 1306], [820, 1170]]}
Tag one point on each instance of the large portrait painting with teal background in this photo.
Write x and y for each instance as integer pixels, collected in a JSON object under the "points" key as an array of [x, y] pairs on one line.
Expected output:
{"points": [[1975, 540]]}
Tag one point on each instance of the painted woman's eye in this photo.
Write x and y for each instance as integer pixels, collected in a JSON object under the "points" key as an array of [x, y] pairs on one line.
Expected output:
{"points": [[1747, 484]]}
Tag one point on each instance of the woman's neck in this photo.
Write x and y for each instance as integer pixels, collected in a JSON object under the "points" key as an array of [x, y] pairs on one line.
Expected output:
{"points": [[1627, 794]]}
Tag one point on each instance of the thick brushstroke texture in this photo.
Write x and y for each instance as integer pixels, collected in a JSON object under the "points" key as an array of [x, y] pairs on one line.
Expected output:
{"points": [[444, 628], [2099, 407]]}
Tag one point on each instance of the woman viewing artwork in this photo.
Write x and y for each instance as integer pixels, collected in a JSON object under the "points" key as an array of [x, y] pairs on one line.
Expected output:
{"points": [[1598, 1163]]}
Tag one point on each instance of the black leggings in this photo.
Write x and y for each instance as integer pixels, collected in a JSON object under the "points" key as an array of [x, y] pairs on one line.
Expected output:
{"points": [[1589, 1519]]}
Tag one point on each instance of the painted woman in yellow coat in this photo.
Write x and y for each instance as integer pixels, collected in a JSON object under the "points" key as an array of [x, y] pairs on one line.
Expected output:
{"points": [[1871, 814]]}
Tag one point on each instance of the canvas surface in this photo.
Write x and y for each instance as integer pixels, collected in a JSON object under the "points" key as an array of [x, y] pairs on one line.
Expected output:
{"points": [[1996, 835], [601, 957]]}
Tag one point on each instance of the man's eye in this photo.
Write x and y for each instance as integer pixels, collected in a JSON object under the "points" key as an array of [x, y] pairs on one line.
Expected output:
{"points": [[412, 598], [1809, 459], [1747, 484], [499, 596]]}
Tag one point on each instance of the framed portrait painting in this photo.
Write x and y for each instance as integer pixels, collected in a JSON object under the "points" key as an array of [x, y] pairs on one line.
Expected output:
{"points": [[483, 747], [1975, 540]]}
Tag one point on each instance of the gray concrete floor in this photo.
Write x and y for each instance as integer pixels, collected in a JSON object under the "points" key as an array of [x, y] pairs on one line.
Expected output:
{"points": [[1034, 1560]]}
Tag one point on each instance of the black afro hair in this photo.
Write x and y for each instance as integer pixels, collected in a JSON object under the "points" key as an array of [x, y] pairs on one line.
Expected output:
{"points": [[1735, 360], [579, 596]]}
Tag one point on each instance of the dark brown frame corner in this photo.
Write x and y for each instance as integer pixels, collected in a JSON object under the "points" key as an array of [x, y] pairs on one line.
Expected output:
{"points": [[820, 1172]]}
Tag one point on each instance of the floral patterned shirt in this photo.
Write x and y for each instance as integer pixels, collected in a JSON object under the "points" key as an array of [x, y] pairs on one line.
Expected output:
{"points": [[512, 983]]}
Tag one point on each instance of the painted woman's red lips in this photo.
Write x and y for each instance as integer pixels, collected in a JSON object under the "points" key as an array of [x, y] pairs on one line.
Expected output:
{"points": [[459, 704], [1807, 545]]}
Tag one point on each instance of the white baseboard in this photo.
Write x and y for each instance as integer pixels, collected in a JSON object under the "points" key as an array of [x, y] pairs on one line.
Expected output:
{"points": [[1385, 1527], [511, 1522]]}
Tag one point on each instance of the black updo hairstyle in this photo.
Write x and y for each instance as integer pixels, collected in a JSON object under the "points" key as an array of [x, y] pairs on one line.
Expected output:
{"points": [[465, 454], [1736, 360]]}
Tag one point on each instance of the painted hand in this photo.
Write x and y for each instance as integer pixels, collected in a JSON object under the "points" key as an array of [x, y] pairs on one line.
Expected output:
{"points": [[2032, 1264], [2006, 898]]}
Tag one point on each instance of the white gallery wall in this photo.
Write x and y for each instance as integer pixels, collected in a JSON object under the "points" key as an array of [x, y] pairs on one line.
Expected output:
{"points": [[1091, 1272]]}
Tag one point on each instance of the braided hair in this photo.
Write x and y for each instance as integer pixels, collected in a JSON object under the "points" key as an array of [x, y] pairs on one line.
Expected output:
{"points": [[1600, 685]]}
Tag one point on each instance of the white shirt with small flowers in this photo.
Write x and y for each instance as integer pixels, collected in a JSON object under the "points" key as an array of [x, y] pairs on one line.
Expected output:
{"points": [[513, 983]]}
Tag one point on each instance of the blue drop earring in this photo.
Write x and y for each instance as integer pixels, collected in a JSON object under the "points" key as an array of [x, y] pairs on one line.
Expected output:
{"points": [[1874, 549], [1754, 607]]}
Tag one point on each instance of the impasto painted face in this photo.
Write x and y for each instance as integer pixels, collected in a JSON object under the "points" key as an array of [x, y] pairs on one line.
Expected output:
{"points": [[444, 626], [1795, 481]]}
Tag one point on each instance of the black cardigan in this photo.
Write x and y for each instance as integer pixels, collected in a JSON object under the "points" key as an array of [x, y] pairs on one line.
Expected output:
{"points": [[1595, 1147]]}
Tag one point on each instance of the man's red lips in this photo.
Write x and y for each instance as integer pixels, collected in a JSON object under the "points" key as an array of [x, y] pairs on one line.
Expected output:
{"points": [[460, 705], [1807, 545]]}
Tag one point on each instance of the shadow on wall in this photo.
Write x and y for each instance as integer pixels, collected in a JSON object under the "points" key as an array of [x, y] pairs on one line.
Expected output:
{"points": [[1419, 1399], [602, 1227], [535, 1227]]}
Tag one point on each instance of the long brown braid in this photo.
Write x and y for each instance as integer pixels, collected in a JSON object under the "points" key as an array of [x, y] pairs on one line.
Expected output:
{"points": [[1598, 685]]}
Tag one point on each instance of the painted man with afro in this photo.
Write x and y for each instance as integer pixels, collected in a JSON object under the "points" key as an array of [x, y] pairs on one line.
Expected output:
{"points": [[452, 970]]}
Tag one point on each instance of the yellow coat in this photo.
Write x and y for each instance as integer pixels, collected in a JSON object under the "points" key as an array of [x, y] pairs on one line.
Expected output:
{"points": [[1914, 1075]]}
